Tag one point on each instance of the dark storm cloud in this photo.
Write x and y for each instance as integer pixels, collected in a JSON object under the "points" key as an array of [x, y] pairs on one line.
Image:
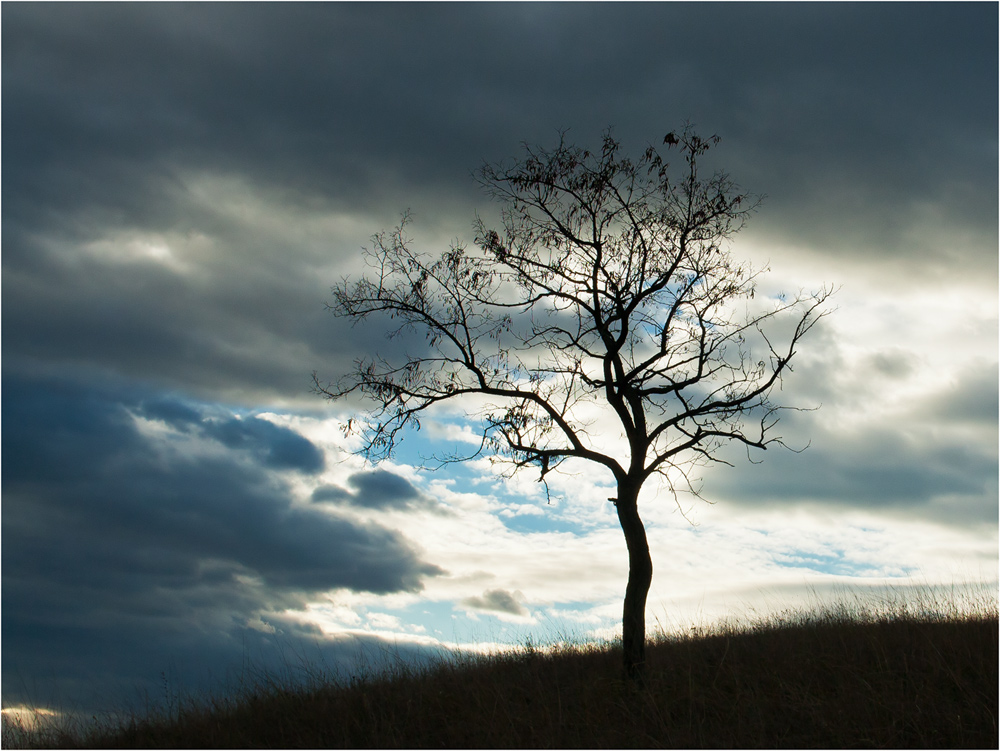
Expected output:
{"points": [[859, 121], [115, 538], [75, 453]]}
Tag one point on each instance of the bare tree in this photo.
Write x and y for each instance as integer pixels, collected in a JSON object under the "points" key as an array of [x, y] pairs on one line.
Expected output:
{"points": [[606, 283]]}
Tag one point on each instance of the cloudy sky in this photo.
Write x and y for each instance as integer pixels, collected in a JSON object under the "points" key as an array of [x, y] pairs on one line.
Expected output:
{"points": [[182, 184]]}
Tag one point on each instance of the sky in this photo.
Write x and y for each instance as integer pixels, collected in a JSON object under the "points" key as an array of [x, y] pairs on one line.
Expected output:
{"points": [[183, 184]]}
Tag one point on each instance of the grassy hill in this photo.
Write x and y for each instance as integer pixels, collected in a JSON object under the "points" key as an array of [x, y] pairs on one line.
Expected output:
{"points": [[831, 680]]}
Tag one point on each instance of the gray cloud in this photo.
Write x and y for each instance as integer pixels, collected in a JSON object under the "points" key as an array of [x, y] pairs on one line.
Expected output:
{"points": [[273, 445], [937, 472], [497, 601], [974, 400], [377, 489], [933, 456]]}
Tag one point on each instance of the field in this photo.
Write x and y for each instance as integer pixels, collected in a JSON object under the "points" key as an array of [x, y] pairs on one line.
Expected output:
{"points": [[843, 677]]}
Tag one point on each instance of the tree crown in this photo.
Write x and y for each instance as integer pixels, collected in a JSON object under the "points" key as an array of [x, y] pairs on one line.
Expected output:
{"points": [[607, 284]]}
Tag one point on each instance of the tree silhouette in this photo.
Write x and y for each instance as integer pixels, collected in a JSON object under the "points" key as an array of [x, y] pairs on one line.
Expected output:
{"points": [[607, 284]]}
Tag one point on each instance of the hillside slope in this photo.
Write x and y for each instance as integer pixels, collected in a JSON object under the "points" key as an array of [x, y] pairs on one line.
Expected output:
{"points": [[806, 683]]}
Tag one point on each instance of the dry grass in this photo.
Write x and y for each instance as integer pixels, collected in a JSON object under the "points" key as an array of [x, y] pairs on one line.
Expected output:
{"points": [[847, 677]]}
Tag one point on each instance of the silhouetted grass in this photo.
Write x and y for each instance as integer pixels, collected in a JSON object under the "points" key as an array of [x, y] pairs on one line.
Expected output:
{"points": [[845, 677]]}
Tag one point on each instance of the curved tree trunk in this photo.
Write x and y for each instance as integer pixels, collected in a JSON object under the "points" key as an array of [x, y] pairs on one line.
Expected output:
{"points": [[640, 574]]}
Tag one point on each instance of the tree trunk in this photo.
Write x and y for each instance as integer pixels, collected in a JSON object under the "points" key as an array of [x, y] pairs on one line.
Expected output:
{"points": [[640, 574]]}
